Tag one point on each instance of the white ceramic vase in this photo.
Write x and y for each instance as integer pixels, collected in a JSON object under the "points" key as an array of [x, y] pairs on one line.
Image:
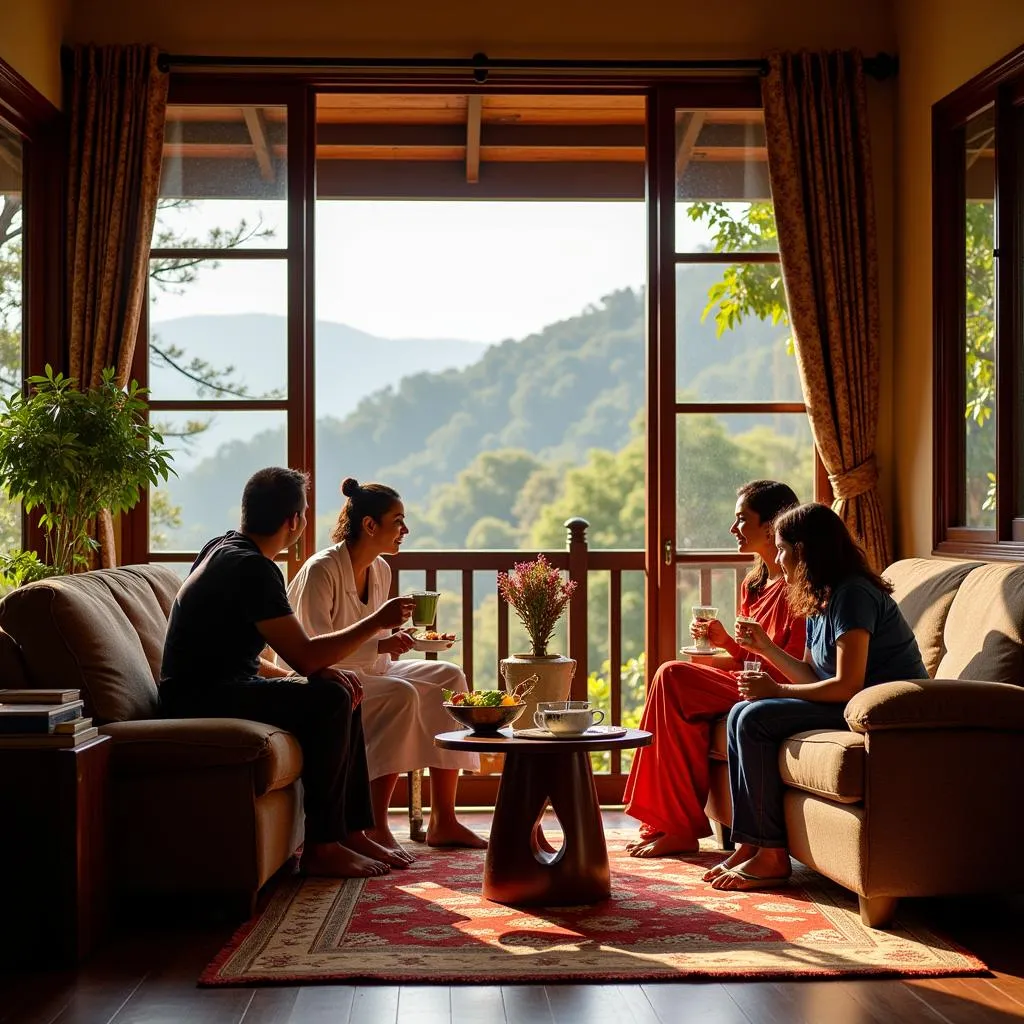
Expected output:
{"points": [[554, 674]]}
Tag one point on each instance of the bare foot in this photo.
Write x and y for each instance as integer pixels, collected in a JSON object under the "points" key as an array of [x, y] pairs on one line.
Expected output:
{"points": [[664, 845], [453, 833], [385, 837], [332, 860], [362, 843], [767, 869], [646, 835], [742, 853]]}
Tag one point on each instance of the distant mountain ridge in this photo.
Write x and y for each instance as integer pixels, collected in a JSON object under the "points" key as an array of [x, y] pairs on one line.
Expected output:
{"points": [[575, 385], [350, 363]]}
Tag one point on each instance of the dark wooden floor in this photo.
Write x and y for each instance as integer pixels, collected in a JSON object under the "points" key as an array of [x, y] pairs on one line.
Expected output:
{"points": [[145, 976]]}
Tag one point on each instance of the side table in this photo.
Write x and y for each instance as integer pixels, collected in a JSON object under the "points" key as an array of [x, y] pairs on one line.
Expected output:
{"points": [[520, 867], [54, 807]]}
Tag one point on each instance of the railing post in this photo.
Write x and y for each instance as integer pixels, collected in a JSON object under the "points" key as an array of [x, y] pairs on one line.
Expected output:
{"points": [[577, 544]]}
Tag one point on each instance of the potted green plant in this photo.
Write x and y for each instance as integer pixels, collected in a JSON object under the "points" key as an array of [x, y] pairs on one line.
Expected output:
{"points": [[539, 594], [73, 453]]}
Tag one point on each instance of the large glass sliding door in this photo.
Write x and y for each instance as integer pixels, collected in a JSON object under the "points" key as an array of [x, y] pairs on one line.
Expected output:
{"points": [[725, 395]]}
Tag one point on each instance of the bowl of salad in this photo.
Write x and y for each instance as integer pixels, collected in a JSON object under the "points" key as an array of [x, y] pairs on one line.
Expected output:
{"points": [[483, 712]]}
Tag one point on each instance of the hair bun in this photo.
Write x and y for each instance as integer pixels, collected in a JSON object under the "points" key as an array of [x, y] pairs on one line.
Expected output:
{"points": [[350, 487]]}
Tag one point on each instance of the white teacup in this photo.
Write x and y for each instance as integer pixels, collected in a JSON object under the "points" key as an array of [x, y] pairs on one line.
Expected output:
{"points": [[567, 717]]}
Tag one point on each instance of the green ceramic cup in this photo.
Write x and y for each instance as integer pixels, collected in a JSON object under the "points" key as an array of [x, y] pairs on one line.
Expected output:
{"points": [[424, 607]]}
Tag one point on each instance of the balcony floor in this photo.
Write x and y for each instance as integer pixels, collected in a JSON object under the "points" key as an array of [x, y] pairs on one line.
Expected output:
{"points": [[144, 976]]}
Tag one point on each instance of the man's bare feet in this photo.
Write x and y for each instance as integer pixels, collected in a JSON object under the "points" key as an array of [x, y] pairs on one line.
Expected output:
{"points": [[333, 860], [362, 843], [386, 838], [769, 868], [742, 852], [453, 833], [664, 845]]}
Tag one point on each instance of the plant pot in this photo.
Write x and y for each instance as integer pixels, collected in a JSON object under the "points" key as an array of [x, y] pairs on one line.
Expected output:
{"points": [[554, 678]]}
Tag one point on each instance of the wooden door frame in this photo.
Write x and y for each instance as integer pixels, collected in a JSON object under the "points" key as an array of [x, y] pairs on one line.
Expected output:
{"points": [[661, 541]]}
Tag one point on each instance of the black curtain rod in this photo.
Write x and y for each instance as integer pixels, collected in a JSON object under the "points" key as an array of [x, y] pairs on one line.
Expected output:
{"points": [[881, 66]]}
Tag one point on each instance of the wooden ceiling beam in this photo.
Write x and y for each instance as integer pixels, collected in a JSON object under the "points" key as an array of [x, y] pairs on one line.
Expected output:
{"points": [[688, 142], [258, 133], [474, 108]]}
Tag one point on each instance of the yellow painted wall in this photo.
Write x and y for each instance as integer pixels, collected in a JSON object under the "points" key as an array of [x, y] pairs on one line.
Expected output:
{"points": [[537, 28], [30, 38], [943, 43]]}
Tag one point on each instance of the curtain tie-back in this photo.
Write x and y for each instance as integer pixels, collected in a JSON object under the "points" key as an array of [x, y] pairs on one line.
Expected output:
{"points": [[856, 481]]}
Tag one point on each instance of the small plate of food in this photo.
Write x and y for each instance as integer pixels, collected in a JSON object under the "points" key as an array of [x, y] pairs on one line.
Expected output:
{"points": [[431, 640]]}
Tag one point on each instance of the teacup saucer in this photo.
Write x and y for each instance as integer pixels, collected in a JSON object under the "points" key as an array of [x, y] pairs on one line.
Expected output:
{"points": [[704, 651], [606, 732]]}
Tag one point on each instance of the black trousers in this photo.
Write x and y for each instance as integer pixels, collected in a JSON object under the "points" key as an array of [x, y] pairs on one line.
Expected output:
{"points": [[319, 713]]}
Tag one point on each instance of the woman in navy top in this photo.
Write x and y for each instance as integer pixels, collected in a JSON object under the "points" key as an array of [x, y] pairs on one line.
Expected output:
{"points": [[856, 636]]}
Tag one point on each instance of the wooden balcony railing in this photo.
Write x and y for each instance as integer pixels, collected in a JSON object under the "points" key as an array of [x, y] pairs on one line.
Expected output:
{"points": [[581, 563], [577, 560]]}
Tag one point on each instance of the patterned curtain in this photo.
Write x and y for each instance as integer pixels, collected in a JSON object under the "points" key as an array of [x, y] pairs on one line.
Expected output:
{"points": [[815, 113], [118, 106]]}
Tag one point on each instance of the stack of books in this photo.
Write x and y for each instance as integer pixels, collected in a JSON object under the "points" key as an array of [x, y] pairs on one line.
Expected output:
{"points": [[43, 718]]}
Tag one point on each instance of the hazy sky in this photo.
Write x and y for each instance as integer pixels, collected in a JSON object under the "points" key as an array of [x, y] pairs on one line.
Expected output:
{"points": [[482, 271]]}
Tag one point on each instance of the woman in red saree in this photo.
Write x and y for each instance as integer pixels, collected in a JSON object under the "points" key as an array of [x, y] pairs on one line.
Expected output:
{"points": [[668, 783]]}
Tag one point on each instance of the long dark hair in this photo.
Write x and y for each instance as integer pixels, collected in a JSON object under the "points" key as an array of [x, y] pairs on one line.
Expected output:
{"points": [[767, 498], [373, 500], [828, 555]]}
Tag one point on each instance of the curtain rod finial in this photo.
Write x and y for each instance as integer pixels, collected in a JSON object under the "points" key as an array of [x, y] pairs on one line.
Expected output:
{"points": [[882, 66]]}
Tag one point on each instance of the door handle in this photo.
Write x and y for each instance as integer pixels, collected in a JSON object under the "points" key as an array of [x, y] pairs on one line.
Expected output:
{"points": [[667, 553]]}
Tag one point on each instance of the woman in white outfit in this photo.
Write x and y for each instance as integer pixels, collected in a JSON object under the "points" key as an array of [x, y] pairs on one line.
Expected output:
{"points": [[401, 706]]}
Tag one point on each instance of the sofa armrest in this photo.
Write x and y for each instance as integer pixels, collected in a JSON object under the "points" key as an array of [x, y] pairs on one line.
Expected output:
{"points": [[937, 704], [166, 745]]}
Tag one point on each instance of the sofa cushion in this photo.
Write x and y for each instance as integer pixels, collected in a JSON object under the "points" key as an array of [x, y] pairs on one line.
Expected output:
{"points": [[983, 628], [170, 745], [924, 590], [826, 762], [102, 632]]}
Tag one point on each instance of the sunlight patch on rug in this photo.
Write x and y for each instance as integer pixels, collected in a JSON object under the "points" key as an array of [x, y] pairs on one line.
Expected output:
{"points": [[430, 924]]}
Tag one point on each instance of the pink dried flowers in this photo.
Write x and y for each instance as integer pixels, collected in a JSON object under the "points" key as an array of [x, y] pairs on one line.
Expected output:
{"points": [[538, 594]]}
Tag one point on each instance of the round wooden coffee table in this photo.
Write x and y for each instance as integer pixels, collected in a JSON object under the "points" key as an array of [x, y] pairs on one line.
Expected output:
{"points": [[521, 868]]}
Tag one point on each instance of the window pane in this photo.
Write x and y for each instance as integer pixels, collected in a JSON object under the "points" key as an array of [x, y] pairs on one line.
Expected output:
{"points": [[205, 340], [214, 455], [10, 303], [224, 182], [500, 397], [981, 414], [724, 595], [722, 357], [717, 454], [723, 200]]}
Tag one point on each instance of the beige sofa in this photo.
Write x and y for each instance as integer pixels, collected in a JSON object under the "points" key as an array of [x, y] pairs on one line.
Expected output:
{"points": [[921, 796], [209, 806]]}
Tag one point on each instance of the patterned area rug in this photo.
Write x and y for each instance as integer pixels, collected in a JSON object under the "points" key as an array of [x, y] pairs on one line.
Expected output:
{"points": [[430, 924]]}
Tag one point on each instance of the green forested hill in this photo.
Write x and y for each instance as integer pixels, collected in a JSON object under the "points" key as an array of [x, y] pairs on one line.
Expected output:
{"points": [[538, 405]]}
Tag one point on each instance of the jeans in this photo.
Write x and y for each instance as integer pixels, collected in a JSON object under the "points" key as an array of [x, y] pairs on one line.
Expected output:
{"points": [[756, 730]]}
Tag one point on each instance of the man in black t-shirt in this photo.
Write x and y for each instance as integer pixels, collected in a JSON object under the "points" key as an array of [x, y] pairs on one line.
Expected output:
{"points": [[231, 606]]}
